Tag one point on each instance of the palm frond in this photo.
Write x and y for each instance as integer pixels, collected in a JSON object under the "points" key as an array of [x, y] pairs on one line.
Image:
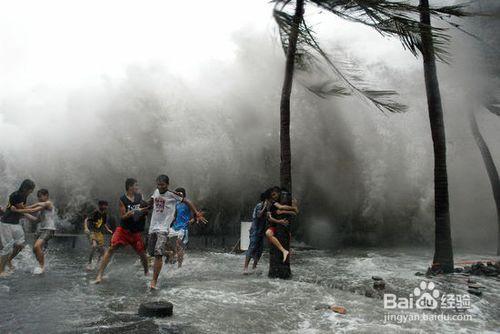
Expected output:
{"points": [[397, 18], [345, 80]]}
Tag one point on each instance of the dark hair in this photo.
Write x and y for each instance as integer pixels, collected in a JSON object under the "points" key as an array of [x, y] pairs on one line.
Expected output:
{"points": [[275, 189], [285, 197], [181, 190], [27, 185], [263, 196], [129, 183], [42, 192], [269, 191], [163, 178], [102, 202]]}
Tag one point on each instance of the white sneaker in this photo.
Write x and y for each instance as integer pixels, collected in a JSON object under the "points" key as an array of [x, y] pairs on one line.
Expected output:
{"points": [[37, 271]]}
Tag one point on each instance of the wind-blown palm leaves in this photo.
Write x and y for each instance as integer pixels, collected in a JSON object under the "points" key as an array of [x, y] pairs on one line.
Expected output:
{"points": [[389, 18]]}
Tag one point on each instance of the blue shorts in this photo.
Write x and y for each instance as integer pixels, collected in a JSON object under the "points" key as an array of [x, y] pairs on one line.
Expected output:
{"points": [[256, 246]]}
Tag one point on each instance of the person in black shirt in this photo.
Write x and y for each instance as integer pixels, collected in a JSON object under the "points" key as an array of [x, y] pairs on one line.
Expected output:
{"points": [[95, 226], [133, 212], [279, 217], [11, 231]]}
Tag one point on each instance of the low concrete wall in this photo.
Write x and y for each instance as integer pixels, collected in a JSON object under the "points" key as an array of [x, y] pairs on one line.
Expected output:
{"points": [[81, 241]]}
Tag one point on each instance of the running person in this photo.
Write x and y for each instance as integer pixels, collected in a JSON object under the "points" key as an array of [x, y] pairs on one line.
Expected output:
{"points": [[45, 229], [133, 211], [95, 226], [163, 202], [11, 231], [181, 226]]}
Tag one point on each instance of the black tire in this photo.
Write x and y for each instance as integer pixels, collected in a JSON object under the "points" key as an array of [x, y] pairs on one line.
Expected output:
{"points": [[156, 309]]}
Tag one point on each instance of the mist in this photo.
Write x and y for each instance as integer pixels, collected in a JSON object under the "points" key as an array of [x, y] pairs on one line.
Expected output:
{"points": [[212, 124]]}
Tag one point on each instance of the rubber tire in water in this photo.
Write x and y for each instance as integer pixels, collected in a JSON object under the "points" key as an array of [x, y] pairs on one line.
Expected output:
{"points": [[156, 309]]}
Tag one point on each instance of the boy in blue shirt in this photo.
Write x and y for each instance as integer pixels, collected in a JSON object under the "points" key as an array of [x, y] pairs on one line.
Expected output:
{"points": [[181, 225]]}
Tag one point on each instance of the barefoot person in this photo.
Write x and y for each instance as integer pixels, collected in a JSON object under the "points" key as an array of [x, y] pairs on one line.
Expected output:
{"points": [[257, 231], [278, 233], [181, 226], [133, 211], [279, 216], [95, 226], [11, 231], [163, 202], [45, 229]]}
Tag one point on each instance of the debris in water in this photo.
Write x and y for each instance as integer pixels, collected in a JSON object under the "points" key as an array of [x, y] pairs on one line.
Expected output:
{"points": [[479, 268], [474, 286], [475, 292], [379, 285], [338, 309]]}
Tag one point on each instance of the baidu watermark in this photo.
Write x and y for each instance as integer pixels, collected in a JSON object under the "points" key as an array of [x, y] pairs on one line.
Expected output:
{"points": [[427, 297]]}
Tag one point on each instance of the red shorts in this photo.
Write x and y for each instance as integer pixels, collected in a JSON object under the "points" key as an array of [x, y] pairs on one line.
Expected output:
{"points": [[272, 229], [125, 237]]}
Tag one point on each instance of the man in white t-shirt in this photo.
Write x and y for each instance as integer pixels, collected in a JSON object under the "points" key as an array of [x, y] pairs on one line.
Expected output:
{"points": [[163, 202]]}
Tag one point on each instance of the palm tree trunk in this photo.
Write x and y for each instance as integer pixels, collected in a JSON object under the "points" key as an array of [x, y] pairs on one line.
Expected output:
{"points": [[491, 169], [286, 155], [443, 252]]}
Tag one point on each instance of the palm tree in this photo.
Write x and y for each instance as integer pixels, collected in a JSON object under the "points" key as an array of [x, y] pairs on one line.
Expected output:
{"points": [[489, 164], [443, 252], [393, 18], [286, 155]]}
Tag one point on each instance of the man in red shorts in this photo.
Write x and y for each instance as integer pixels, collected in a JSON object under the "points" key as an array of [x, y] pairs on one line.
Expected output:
{"points": [[133, 211]]}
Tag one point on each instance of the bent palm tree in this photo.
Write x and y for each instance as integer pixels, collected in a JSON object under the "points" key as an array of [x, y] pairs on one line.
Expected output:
{"points": [[393, 18], [489, 164]]}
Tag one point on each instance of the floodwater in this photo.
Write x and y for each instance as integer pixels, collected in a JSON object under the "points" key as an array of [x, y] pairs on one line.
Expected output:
{"points": [[210, 295]]}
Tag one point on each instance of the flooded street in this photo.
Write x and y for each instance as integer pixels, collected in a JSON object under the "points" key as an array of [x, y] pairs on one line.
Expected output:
{"points": [[361, 138], [210, 295]]}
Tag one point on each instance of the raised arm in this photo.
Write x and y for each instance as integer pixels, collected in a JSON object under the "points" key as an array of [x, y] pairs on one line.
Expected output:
{"points": [[198, 215], [21, 208], [293, 207], [286, 212], [262, 212], [44, 205]]}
